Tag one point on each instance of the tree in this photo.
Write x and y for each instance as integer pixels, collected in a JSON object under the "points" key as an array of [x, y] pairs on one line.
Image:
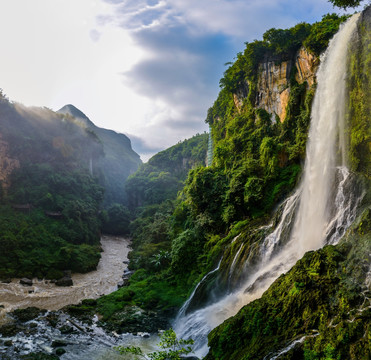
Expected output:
{"points": [[173, 348], [346, 3]]}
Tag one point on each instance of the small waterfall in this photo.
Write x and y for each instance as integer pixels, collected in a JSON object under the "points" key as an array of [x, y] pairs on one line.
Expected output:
{"points": [[233, 266], [319, 212], [185, 306]]}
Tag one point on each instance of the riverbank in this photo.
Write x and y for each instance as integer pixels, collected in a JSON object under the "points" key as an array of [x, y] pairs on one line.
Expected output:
{"points": [[45, 295], [56, 330]]}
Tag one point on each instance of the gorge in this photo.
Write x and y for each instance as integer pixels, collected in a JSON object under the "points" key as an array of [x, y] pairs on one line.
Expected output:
{"points": [[265, 252]]}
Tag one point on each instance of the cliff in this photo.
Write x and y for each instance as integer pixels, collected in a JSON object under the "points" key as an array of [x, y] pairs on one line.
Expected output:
{"points": [[119, 159], [273, 84], [321, 307]]}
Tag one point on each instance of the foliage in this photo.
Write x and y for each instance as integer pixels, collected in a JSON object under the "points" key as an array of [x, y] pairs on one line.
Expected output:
{"points": [[35, 245], [322, 32], [172, 347], [359, 108], [50, 201], [117, 220], [345, 3], [319, 290], [162, 177], [257, 162]]}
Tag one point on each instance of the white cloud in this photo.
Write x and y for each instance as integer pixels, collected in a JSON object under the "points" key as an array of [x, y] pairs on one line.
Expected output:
{"points": [[144, 67]]}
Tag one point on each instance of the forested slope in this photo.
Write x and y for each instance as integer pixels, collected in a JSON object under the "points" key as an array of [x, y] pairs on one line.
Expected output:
{"points": [[52, 190]]}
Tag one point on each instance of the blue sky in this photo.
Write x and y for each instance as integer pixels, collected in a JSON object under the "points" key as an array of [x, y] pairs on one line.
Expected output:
{"points": [[147, 68]]}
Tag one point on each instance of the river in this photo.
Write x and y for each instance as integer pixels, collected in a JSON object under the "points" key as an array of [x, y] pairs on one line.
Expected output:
{"points": [[46, 295], [87, 342]]}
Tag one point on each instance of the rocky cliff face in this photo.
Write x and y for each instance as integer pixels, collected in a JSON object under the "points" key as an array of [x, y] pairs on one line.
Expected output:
{"points": [[273, 86], [306, 65]]}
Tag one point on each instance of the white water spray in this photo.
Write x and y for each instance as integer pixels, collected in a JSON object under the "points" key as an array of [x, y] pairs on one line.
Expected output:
{"points": [[321, 210]]}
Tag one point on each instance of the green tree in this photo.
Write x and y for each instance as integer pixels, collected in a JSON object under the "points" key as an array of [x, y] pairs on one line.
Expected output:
{"points": [[172, 347], [346, 3]]}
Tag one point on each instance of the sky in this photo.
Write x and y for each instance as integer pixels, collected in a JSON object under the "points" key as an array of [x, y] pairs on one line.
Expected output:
{"points": [[147, 68]]}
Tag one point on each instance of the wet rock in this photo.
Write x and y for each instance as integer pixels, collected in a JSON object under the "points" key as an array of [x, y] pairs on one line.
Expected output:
{"points": [[59, 343], [126, 262], [8, 343], [66, 329], [190, 358], [39, 356], [6, 281], [120, 284], [128, 273], [133, 319], [30, 313], [26, 282], [60, 351], [10, 330], [144, 335], [52, 319], [65, 281]]}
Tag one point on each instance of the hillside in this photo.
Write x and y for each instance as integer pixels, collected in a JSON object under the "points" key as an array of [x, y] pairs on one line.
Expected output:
{"points": [[119, 159], [53, 174]]}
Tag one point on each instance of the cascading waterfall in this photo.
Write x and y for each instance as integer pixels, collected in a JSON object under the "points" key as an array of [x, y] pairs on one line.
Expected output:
{"points": [[319, 211]]}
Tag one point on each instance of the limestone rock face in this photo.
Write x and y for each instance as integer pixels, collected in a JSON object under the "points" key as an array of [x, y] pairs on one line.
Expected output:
{"points": [[273, 91], [273, 86], [240, 95], [307, 65]]}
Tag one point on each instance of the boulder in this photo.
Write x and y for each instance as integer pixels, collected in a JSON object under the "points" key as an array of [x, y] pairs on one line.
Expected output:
{"points": [[59, 343], [25, 281], [65, 281]]}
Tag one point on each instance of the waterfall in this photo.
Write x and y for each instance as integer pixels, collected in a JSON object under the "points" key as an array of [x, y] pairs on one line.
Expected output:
{"points": [[319, 211]]}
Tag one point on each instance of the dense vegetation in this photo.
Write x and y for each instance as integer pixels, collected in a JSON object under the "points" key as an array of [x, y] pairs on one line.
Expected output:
{"points": [[52, 191], [118, 162], [321, 306], [319, 301], [257, 161], [152, 191]]}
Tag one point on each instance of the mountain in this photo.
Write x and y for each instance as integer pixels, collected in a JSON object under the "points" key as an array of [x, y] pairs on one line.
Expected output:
{"points": [[119, 159], [164, 173], [55, 173]]}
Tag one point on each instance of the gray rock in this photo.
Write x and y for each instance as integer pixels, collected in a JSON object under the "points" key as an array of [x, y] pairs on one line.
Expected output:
{"points": [[65, 281], [25, 281], [59, 343]]}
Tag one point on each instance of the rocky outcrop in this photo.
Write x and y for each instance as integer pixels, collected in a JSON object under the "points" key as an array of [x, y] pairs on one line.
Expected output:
{"points": [[306, 65], [273, 85], [25, 281], [273, 91]]}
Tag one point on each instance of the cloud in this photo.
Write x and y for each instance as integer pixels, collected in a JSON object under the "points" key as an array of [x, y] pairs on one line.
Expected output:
{"points": [[140, 146], [95, 35], [186, 44]]}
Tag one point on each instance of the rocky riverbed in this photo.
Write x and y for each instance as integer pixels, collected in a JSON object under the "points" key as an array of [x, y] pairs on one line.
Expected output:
{"points": [[26, 332]]}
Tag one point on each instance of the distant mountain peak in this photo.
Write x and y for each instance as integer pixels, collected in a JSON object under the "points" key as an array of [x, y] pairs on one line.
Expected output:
{"points": [[72, 110]]}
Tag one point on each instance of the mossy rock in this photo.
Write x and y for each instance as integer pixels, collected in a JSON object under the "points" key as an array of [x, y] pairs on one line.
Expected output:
{"points": [[27, 314], [321, 299]]}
